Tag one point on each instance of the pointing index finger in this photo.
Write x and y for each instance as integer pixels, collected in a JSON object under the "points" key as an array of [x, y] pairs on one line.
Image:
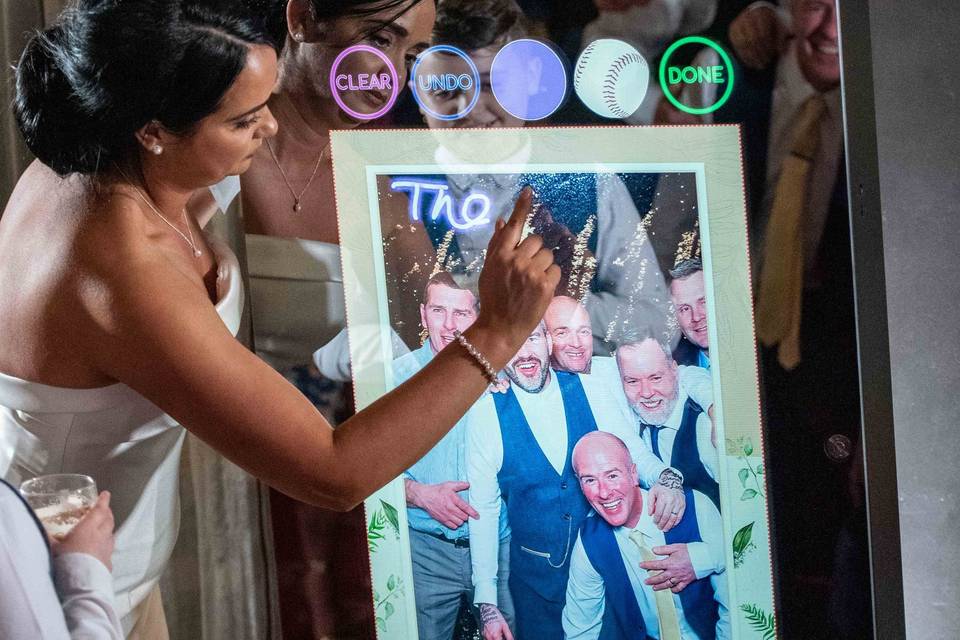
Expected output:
{"points": [[514, 226]]}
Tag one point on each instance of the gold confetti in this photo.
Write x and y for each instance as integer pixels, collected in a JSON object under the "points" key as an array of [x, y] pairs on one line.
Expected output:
{"points": [[581, 269], [477, 263], [625, 313], [442, 251], [414, 269], [685, 250]]}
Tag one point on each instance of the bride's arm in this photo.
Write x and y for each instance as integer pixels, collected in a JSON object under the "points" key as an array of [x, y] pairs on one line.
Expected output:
{"points": [[162, 337]]}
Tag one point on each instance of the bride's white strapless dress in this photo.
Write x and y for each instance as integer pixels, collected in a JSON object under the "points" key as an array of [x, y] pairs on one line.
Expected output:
{"points": [[128, 445]]}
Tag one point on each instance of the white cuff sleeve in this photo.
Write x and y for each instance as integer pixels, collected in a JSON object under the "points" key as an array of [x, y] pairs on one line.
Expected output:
{"points": [[485, 592], [85, 588], [225, 191], [333, 358], [701, 559]]}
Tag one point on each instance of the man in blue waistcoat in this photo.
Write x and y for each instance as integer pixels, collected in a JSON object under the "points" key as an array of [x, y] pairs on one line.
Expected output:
{"points": [[519, 445], [616, 590], [436, 488], [676, 428]]}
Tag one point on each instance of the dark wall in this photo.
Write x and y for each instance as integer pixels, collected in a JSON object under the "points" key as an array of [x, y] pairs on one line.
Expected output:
{"points": [[917, 81]]}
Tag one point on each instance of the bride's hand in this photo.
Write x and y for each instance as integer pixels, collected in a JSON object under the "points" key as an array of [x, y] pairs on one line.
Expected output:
{"points": [[518, 278]]}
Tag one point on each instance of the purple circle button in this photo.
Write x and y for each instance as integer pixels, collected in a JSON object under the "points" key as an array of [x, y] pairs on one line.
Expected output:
{"points": [[529, 79]]}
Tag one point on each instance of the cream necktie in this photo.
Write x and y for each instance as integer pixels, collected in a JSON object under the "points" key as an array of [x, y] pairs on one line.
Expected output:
{"points": [[666, 608], [780, 295]]}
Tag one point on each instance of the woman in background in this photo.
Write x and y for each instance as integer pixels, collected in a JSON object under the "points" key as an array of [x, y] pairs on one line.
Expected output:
{"points": [[118, 314], [296, 286], [288, 200]]}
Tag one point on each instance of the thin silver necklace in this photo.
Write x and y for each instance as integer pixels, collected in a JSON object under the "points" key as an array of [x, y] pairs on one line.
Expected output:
{"points": [[297, 207], [189, 240]]}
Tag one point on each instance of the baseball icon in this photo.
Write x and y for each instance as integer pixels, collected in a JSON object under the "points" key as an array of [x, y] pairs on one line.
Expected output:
{"points": [[611, 77]]}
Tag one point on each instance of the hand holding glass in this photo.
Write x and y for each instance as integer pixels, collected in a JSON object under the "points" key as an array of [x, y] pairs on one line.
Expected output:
{"points": [[60, 500]]}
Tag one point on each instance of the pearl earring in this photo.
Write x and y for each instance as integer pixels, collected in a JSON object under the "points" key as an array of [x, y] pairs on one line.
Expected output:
{"points": [[156, 149], [298, 36]]}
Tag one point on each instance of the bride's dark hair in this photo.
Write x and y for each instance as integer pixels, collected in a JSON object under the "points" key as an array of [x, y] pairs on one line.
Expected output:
{"points": [[106, 68]]}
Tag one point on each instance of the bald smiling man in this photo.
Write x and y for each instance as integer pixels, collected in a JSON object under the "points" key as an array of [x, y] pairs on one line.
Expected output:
{"points": [[614, 565]]}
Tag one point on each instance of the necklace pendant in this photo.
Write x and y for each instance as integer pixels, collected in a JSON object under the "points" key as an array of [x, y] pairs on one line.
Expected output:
{"points": [[296, 206]]}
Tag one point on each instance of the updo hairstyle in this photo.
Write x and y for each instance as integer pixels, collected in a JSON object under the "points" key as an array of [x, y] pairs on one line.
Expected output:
{"points": [[107, 68]]}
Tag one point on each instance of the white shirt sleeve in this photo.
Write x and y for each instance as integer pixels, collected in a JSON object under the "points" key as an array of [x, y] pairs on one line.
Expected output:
{"points": [[225, 191], [85, 588], [333, 358], [711, 530], [708, 453], [30, 606], [484, 459], [719, 582], [613, 415], [698, 383], [583, 611], [706, 559], [649, 466]]}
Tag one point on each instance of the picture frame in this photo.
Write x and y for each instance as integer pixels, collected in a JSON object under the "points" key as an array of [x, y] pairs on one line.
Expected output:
{"points": [[367, 165]]}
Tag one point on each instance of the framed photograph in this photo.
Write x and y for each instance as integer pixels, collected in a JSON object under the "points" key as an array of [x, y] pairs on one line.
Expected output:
{"points": [[534, 511]]}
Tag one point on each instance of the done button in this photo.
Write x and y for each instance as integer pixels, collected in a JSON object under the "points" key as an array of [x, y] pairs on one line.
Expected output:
{"points": [[718, 74]]}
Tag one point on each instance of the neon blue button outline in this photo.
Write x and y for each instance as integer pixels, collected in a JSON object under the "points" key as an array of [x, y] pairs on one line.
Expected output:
{"points": [[445, 48]]}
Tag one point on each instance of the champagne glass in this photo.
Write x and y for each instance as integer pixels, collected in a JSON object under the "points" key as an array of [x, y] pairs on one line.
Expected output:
{"points": [[60, 500]]}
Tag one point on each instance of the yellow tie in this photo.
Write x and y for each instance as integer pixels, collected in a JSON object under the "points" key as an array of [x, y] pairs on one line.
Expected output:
{"points": [[666, 608], [780, 295]]}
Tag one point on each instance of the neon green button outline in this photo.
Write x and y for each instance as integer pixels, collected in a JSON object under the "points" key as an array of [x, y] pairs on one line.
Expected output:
{"points": [[697, 111]]}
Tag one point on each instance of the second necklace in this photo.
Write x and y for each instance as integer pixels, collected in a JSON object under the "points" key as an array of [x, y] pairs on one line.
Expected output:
{"points": [[297, 207]]}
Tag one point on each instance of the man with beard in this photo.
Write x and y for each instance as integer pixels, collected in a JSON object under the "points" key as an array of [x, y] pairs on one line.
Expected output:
{"points": [[568, 325], [676, 428], [519, 445], [436, 486], [689, 298], [617, 589]]}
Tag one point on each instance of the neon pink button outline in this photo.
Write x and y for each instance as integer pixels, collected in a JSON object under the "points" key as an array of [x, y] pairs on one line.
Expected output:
{"points": [[336, 92]]}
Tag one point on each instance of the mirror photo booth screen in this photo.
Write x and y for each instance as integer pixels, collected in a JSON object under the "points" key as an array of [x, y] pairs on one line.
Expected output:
{"points": [[645, 360]]}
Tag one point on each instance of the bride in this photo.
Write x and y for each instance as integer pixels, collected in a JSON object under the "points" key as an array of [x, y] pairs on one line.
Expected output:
{"points": [[117, 313]]}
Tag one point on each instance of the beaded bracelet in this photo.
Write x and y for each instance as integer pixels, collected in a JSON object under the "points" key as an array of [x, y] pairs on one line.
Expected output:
{"points": [[488, 369]]}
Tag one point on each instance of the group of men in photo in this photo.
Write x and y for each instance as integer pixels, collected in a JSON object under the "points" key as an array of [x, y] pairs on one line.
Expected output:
{"points": [[579, 498]]}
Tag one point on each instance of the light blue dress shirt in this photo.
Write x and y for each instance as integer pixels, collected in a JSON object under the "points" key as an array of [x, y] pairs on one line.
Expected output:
{"points": [[446, 462], [703, 359]]}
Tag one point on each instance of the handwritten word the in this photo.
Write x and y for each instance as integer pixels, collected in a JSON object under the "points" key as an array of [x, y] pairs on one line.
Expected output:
{"points": [[473, 212]]}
